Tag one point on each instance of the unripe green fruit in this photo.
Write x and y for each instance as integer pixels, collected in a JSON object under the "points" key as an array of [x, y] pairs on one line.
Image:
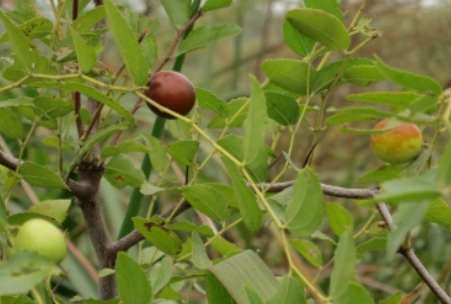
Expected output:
{"points": [[399, 145], [42, 237], [172, 90]]}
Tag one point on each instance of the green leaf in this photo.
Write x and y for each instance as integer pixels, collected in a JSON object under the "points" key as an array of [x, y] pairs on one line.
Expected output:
{"points": [[329, 6], [158, 155], [200, 257], [38, 175], [92, 140], [320, 26], [394, 299], [245, 268], [309, 251], [179, 11], [288, 292], [149, 189], [86, 54], [304, 212], [356, 293], [289, 74], [407, 216], [377, 243], [208, 100], [224, 247], [215, 4], [237, 115], [17, 299], [89, 19], [254, 149], [398, 99], [22, 101], [213, 200], [186, 226], [253, 296], [408, 79], [412, 189], [163, 239], [22, 45], [149, 48], [10, 124], [50, 108], [340, 220], [34, 28], [56, 209], [355, 114], [127, 44], [121, 172], [363, 75], [246, 200], [343, 271], [282, 108], [160, 275], [300, 44], [439, 212], [90, 92], [132, 283], [184, 151], [327, 76], [125, 147], [207, 35], [22, 271], [216, 293], [382, 174]]}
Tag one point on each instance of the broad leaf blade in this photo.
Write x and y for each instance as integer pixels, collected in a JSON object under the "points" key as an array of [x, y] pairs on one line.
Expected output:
{"points": [[121, 172], [212, 200], [289, 74], [288, 292], [246, 200], [254, 149], [22, 272], [408, 79], [38, 175], [22, 45], [132, 282], [200, 257], [127, 44], [207, 35], [343, 267], [56, 209], [179, 11], [340, 220], [246, 268], [320, 26], [184, 151], [86, 54], [163, 239], [304, 212], [215, 4]]}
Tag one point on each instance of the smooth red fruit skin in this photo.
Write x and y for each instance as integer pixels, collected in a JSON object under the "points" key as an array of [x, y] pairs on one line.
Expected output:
{"points": [[399, 145], [172, 90]]}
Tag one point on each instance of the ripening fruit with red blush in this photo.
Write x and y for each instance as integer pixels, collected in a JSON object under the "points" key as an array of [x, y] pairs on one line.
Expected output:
{"points": [[398, 145], [171, 90]]}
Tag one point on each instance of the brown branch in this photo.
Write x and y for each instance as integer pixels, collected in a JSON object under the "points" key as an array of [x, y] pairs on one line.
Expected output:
{"points": [[8, 161], [327, 190]]}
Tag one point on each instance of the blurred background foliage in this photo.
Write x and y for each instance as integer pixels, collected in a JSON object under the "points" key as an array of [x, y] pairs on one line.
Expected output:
{"points": [[415, 37]]}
